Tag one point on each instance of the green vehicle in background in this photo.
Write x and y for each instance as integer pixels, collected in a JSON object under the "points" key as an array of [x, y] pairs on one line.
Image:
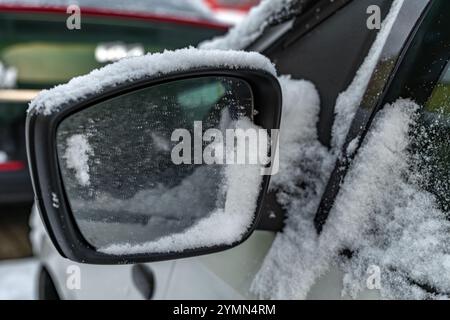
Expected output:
{"points": [[39, 51]]}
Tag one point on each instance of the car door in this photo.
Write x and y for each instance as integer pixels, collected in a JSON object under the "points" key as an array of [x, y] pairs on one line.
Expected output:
{"points": [[407, 241]]}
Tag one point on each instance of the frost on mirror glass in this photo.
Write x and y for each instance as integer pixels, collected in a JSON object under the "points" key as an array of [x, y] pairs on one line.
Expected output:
{"points": [[135, 186]]}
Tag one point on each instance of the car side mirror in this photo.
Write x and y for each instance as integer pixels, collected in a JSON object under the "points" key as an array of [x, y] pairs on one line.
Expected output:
{"points": [[135, 162]]}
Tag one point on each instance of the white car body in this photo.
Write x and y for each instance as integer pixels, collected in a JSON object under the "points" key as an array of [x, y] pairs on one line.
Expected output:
{"points": [[226, 275]]}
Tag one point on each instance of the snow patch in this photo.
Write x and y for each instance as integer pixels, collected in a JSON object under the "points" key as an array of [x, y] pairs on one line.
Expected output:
{"points": [[150, 65], [77, 156], [352, 147], [385, 217]]}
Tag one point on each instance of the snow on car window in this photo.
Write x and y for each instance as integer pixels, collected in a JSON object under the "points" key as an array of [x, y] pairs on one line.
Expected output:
{"points": [[388, 218]]}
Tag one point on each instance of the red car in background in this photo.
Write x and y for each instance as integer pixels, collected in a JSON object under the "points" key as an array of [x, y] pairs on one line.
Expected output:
{"points": [[39, 51], [231, 11]]}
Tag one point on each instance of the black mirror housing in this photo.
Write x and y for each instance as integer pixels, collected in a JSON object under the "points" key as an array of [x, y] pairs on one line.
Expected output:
{"points": [[51, 195]]}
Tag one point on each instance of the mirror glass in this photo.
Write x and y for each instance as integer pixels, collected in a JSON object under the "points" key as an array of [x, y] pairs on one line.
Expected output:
{"points": [[147, 171]]}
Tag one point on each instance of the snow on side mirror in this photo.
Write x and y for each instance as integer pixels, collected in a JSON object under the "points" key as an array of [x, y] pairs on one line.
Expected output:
{"points": [[156, 157]]}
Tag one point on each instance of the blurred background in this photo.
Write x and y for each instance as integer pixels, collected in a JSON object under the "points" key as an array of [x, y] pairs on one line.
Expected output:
{"points": [[38, 51]]}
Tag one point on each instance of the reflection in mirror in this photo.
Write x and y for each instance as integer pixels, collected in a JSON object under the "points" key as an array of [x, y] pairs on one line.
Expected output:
{"points": [[126, 188]]}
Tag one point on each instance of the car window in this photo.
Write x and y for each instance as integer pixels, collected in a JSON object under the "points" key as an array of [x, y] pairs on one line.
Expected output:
{"points": [[329, 55], [424, 77], [431, 144]]}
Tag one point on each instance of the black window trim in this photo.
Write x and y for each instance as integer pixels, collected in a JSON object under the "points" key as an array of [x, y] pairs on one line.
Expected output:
{"points": [[291, 29], [398, 41]]}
